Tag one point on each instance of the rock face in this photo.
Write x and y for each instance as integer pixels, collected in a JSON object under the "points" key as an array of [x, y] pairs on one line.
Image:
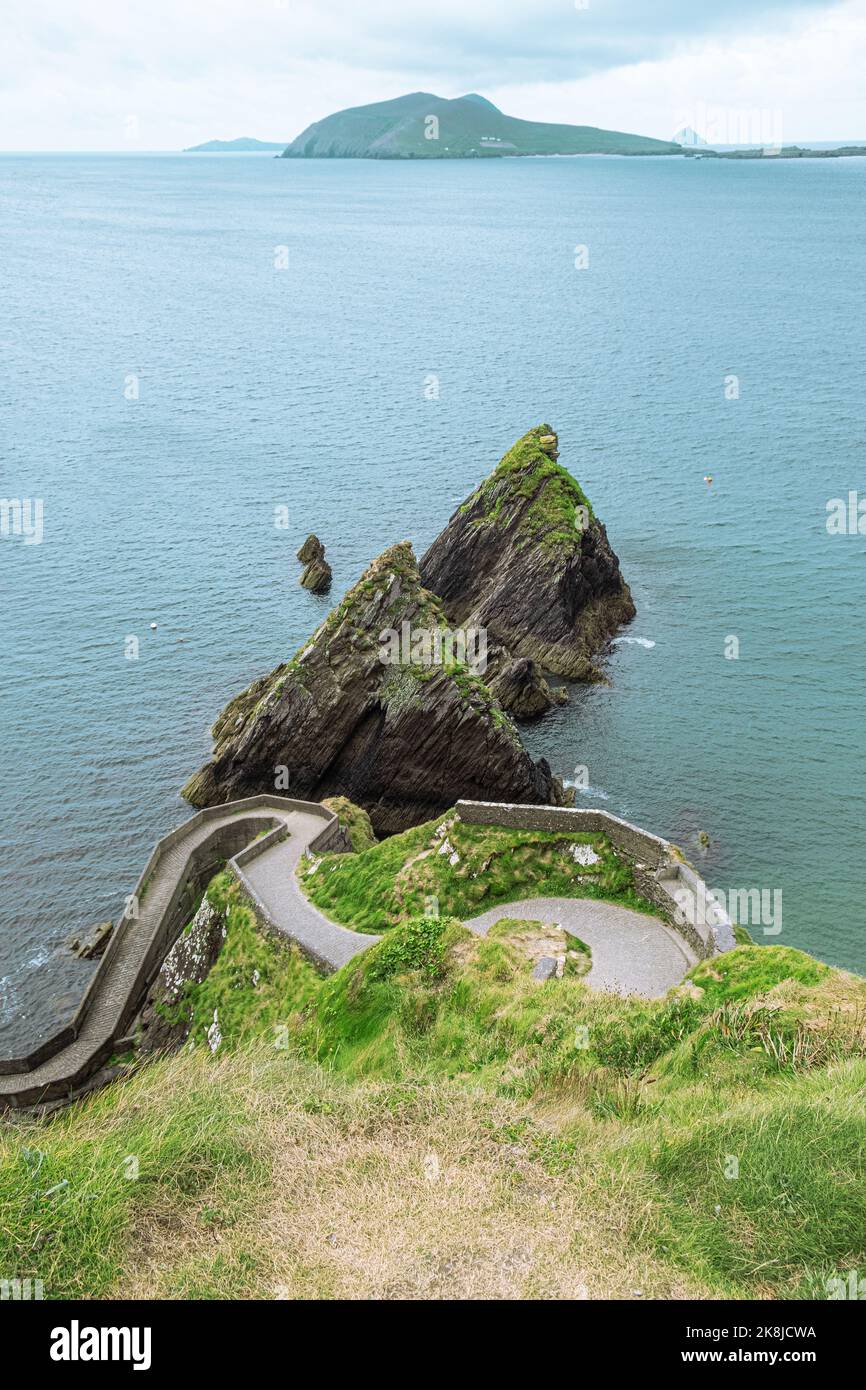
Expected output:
{"points": [[520, 687], [166, 1013], [317, 576], [525, 558], [405, 738]]}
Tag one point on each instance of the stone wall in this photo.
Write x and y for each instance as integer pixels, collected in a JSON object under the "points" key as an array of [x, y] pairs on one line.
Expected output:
{"points": [[206, 859], [660, 874]]}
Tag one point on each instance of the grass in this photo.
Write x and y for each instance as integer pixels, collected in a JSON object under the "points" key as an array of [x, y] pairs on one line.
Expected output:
{"points": [[398, 879], [259, 981], [431, 1122], [354, 820], [527, 474]]}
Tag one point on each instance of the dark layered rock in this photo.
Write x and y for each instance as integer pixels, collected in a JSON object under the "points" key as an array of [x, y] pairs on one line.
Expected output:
{"points": [[405, 738], [520, 687], [317, 576], [526, 558], [312, 549]]}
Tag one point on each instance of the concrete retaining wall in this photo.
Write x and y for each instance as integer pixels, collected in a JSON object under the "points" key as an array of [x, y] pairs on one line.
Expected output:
{"points": [[203, 862], [660, 875]]}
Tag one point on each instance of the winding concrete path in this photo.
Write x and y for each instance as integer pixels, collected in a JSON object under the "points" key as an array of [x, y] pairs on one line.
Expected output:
{"points": [[269, 877], [632, 953], [72, 1056]]}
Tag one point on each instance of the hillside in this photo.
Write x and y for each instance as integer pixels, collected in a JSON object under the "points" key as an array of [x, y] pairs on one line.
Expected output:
{"points": [[433, 1122], [244, 145], [423, 126]]}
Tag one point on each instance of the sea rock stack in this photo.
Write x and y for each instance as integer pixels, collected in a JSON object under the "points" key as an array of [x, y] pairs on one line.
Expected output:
{"points": [[526, 558], [312, 549], [317, 574], [403, 737]]}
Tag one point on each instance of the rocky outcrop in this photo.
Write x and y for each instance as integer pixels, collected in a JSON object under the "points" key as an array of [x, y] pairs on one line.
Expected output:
{"points": [[165, 1017], [526, 558], [312, 549], [93, 942], [520, 687], [317, 574], [317, 577], [404, 737], [354, 823]]}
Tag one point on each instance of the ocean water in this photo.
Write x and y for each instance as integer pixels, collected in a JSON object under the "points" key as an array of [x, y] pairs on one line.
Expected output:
{"points": [[190, 342]]}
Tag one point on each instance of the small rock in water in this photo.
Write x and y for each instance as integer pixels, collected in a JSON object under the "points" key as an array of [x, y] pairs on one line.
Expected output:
{"points": [[312, 549], [93, 942], [317, 576]]}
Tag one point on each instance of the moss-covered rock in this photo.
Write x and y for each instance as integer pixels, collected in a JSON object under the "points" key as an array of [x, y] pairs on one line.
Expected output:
{"points": [[354, 821], [526, 558]]}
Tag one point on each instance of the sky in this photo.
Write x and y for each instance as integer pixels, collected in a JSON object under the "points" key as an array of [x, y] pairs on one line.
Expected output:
{"points": [[165, 74]]}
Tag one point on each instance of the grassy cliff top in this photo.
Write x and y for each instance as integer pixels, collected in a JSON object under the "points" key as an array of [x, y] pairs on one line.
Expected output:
{"points": [[432, 1122], [466, 868]]}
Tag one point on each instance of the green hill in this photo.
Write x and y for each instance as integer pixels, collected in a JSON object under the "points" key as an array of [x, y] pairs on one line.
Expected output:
{"points": [[424, 126]]}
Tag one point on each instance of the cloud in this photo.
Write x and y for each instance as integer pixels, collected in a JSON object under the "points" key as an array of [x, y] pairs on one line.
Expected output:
{"points": [[73, 72]]}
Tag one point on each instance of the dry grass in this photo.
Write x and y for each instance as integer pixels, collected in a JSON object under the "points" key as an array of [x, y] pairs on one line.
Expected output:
{"points": [[383, 1192]]}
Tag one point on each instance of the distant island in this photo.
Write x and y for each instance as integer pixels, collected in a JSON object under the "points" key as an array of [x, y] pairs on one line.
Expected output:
{"points": [[244, 145], [424, 126]]}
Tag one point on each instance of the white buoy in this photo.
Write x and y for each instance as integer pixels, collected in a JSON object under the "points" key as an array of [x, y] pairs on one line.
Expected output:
{"points": [[153, 627]]}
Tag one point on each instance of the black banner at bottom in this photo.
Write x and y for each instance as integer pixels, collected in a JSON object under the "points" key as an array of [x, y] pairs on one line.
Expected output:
{"points": [[62, 1339]]}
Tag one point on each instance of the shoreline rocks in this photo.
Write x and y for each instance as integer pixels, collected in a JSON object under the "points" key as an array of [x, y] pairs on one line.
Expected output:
{"points": [[91, 943]]}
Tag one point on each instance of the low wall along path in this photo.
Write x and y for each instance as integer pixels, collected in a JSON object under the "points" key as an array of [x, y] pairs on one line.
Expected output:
{"points": [[632, 952]]}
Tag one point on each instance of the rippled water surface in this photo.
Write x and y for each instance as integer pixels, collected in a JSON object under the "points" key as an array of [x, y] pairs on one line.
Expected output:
{"points": [[304, 387]]}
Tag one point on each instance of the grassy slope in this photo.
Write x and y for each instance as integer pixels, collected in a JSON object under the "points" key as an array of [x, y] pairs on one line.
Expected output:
{"points": [[395, 880], [431, 1122]]}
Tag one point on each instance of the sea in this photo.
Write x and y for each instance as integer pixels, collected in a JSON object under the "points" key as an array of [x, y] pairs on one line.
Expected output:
{"points": [[203, 358]]}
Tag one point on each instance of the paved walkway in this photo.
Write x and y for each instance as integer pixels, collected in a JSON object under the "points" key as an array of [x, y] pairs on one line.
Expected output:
{"points": [[632, 953], [71, 1065], [271, 878]]}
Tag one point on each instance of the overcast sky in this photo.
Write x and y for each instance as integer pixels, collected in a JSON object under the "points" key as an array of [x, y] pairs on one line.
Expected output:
{"points": [[162, 74]]}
